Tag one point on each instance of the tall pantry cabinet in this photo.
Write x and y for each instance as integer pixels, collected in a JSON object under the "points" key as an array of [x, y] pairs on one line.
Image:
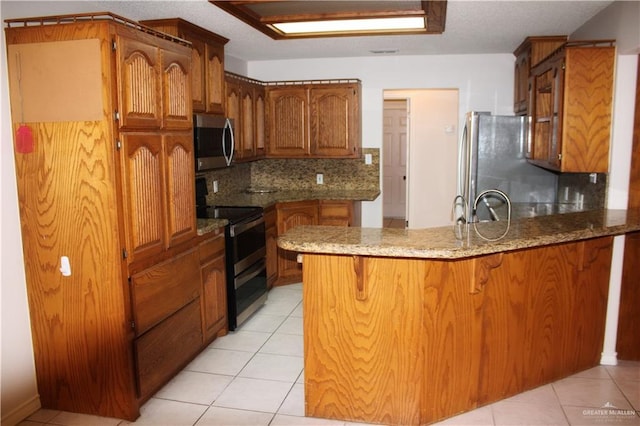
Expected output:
{"points": [[106, 205]]}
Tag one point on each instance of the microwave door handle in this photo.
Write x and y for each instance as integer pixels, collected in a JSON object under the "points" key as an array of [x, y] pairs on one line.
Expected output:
{"points": [[228, 158], [224, 142]]}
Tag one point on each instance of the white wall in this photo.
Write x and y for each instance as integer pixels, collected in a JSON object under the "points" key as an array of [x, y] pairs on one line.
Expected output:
{"points": [[433, 153], [18, 377], [485, 82]]}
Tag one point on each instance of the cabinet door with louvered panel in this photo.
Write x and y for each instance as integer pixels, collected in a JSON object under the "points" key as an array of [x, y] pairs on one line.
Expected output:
{"points": [[260, 121], [288, 121], [215, 78], [142, 183], [334, 128], [233, 108], [180, 196], [198, 75], [248, 149], [176, 86], [138, 65]]}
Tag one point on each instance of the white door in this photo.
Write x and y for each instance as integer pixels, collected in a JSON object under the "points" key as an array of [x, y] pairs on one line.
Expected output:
{"points": [[394, 180]]}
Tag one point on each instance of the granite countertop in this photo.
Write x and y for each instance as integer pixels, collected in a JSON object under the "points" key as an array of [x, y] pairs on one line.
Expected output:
{"points": [[455, 242], [271, 197], [267, 199], [204, 226]]}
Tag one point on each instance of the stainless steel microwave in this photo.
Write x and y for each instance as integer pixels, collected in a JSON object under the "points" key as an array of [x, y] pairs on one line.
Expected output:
{"points": [[213, 142]]}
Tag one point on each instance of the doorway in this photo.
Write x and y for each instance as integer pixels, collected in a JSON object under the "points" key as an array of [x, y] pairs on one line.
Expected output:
{"points": [[424, 152], [394, 183]]}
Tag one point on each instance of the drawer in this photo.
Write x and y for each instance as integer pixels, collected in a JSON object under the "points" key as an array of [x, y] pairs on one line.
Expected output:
{"points": [[161, 290], [211, 249], [335, 209], [166, 349]]}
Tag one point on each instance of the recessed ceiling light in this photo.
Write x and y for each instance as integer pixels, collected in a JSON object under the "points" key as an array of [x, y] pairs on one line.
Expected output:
{"points": [[351, 25], [298, 19]]}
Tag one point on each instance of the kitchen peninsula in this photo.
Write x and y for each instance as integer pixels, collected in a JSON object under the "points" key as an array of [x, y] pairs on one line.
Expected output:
{"points": [[413, 326]]}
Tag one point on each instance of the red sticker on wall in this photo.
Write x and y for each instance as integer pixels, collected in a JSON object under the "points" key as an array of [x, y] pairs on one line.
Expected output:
{"points": [[24, 140]]}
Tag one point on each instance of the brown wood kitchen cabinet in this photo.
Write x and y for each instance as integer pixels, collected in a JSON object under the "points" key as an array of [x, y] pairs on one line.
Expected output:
{"points": [[207, 59], [335, 212], [106, 193], [317, 120], [166, 312], [246, 106], [271, 237], [288, 216], [159, 199], [529, 54], [214, 287], [572, 100], [292, 214]]}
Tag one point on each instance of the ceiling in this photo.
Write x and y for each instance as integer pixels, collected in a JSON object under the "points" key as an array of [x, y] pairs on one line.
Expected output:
{"points": [[472, 26]]}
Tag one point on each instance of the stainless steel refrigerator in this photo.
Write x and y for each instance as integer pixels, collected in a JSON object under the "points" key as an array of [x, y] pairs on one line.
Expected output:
{"points": [[491, 155]]}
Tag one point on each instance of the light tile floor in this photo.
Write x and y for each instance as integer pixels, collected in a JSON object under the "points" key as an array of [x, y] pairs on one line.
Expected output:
{"points": [[255, 376]]}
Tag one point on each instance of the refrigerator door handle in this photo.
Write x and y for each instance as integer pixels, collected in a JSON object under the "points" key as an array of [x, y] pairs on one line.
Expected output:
{"points": [[462, 149]]}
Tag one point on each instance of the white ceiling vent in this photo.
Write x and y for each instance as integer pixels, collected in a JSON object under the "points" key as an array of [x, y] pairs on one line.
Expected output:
{"points": [[384, 51]]}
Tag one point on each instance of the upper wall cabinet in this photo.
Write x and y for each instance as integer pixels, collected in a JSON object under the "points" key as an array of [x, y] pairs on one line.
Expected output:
{"points": [[572, 92], [529, 54], [245, 104], [207, 58], [317, 120]]}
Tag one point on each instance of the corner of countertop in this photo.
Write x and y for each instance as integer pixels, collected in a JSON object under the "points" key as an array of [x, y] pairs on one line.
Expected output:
{"points": [[205, 226]]}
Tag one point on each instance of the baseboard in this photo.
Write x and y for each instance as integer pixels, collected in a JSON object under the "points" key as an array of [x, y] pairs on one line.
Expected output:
{"points": [[609, 359], [21, 412]]}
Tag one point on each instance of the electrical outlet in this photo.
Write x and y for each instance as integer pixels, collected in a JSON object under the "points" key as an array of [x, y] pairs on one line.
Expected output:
{"points": [[215, 186], [319, 178], [368, 159]]}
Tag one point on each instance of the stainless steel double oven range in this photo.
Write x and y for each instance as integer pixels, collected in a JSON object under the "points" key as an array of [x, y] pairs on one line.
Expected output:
{"points": [[245, 255]]}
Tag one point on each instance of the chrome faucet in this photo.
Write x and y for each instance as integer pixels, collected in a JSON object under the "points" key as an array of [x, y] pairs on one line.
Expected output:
{"points": [[492, 212]]}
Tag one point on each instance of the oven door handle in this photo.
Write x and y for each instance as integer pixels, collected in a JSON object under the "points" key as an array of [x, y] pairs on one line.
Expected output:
{"points": [[254, 270], [239, 228]]}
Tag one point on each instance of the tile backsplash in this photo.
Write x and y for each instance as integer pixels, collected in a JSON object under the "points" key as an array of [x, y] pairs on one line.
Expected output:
{"points": [[576, 191], [297, 174], [580, 189]]}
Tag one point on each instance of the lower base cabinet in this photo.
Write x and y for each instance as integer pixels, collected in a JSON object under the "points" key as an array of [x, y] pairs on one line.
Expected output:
{"points": [[179, 306], [214, 288], [271, 237], [166, 312], [289, 216], [292, 214], [167, 348]]}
